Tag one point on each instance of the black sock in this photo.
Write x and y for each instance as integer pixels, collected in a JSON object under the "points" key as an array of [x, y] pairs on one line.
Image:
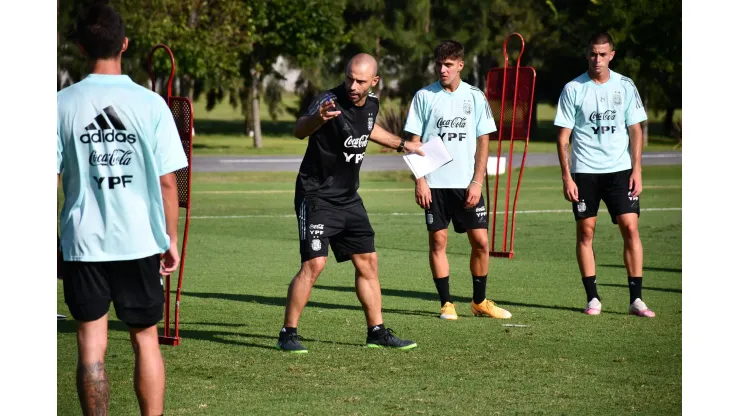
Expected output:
{"points": [[443, 289], [289, 330], [589, 283], [375, 329], [479, 288], [635, 284]]}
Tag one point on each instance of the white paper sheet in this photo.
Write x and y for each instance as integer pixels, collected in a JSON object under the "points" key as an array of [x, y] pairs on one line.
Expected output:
{"points": [[435, 156]]}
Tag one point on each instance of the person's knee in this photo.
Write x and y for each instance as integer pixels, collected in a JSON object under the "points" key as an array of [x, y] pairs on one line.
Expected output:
{"points": [[143, 339], [92, 339], [586, 233], [630, 230], [437, 242], [479, 242], [366, 265], [311, 269]]}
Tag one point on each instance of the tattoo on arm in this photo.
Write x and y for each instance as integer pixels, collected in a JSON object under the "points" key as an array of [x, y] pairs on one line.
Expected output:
{"points": [[93, 388]]}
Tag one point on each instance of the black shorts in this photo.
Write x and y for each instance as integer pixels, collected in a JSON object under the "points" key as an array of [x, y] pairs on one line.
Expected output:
{"points": [[449, 204], [612, 188], [346, 229], [134, 286]]}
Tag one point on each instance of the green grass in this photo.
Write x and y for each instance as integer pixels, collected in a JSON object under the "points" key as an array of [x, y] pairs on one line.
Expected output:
{"points": [[221, 132], [236, 276]]}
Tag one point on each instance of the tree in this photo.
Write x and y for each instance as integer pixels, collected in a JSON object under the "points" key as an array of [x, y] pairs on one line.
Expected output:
{"points": [[302, 31], [206, 37]]}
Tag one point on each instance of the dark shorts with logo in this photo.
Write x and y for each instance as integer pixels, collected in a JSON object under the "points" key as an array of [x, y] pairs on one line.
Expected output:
{"points": [[449, 205], [134, 286], [321, 224], [612, 188]]}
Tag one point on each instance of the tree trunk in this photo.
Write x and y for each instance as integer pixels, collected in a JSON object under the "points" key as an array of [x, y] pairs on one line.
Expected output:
{"points": [[256, 111], [668, 129], [379, 87]]}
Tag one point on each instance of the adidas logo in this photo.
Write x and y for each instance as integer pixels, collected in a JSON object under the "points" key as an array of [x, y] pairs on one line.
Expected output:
{"points": [[107, 129]]}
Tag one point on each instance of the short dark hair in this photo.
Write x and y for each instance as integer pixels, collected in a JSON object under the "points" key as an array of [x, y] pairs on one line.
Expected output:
{"points": [[601, 38], [449, 49], [100, 31]]}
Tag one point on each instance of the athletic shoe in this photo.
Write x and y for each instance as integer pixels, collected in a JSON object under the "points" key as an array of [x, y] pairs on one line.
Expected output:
{"points": [[289, 342], [488, 307], [386, 339], [448, 311], [593, 307], [639, 308]]}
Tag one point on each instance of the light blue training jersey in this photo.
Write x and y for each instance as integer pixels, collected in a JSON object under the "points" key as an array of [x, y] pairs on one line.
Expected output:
{"points": [[458, 118], [115, 139], [599, 115]]}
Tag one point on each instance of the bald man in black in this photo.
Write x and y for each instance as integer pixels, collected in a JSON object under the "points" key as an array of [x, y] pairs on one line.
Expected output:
{"points": [[339, 123]]}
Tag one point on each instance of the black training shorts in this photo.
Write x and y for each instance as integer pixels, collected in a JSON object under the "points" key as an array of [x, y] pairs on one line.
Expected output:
{"points": [[449, 205], [321, 224], [134, 286], [612, 188]]}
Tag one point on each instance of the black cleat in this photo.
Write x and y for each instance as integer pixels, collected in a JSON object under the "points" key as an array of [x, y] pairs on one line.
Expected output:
{"points": [[386, 339], [290, 343]]}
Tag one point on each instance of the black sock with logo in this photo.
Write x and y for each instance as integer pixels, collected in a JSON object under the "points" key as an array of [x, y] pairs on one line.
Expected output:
{"points": [[635, 284], [375, 330], [479, 288], [443, 289], [589, 283]]}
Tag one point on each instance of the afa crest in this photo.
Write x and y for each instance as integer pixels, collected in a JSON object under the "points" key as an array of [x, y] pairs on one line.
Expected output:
{"points": [[617, 98], [316, 245], [467, 107]]}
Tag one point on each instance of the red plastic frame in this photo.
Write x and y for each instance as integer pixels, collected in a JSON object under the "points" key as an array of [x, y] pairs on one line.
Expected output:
{"points": [[508, 251], [183, 197]]}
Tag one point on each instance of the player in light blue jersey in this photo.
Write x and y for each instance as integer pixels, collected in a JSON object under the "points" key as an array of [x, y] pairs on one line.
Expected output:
{"points": [[117, 150], [601, 111], [460, 115]]}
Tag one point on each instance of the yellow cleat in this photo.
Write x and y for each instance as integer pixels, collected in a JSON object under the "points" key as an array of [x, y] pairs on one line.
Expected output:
{"points": [[448, 312], [488, 307]]}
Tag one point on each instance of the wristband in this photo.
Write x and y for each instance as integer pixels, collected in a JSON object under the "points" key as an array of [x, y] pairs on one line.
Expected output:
{"points": [[477, 183], [400, 147]]}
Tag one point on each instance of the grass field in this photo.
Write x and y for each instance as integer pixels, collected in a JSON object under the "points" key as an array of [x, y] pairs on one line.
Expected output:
{"points": [[243, 252], [221, 132]]}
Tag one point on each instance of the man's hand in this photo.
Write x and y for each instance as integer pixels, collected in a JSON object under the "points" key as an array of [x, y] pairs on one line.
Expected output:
{"points": [[423, 194], [170, 260], [325, 113], [472, 195], [635, 183], [570, 190], [413, 147]]}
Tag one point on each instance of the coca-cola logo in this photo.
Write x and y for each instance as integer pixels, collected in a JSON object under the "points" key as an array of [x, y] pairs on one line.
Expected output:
{"points": [[606, 115], [454, 122], [115, 158], [357, 143]]}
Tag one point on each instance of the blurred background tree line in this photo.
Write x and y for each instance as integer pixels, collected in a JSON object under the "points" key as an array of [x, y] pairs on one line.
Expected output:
{"points": [[227, 50]]}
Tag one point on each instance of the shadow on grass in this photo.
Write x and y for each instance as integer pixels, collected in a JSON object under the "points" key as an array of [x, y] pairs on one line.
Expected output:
{"points": [[280, 301], [435, 297], [656, 289], [651, 269], [187, 331]]}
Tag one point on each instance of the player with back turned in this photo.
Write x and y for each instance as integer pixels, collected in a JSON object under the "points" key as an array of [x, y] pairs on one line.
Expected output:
{"points": [[117, 151]]}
